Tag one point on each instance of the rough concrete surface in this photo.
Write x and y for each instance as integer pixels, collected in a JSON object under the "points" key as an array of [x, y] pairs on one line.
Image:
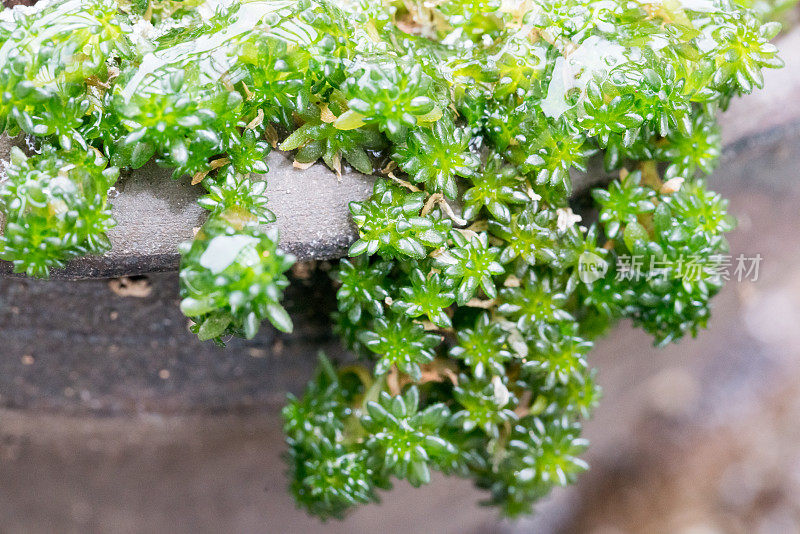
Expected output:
{"points": [[80, 348]]}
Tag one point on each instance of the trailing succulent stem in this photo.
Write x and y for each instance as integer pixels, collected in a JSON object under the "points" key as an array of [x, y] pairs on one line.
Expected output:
{"points": [[473, 293]]}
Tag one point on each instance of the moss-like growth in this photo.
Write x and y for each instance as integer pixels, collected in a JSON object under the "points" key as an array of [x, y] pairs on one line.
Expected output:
{"points": [[474, 293]]}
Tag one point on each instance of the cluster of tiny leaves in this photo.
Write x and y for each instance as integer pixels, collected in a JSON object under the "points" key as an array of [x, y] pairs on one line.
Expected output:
{"points": [[56, 208], [464, 295], [467, 296]]}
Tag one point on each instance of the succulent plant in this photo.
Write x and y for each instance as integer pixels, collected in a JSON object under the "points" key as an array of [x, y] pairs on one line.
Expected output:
{"points": [[473, 293]]}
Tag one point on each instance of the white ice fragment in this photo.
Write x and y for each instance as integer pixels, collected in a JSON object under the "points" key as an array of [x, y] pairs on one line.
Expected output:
{"points": [[555, 104], [223, 250], [142, 34], [214, 52], [595, 56]]}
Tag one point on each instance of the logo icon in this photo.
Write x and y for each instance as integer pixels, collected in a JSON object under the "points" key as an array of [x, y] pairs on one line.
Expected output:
{"points": [[591, 267]]}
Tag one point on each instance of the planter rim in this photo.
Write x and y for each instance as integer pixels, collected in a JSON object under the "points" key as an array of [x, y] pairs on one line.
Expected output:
{"points": [[155, 213]]}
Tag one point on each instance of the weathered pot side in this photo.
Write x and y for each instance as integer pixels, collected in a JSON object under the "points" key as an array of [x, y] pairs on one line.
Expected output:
{"points": [[155, 213], [80, 348]]}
